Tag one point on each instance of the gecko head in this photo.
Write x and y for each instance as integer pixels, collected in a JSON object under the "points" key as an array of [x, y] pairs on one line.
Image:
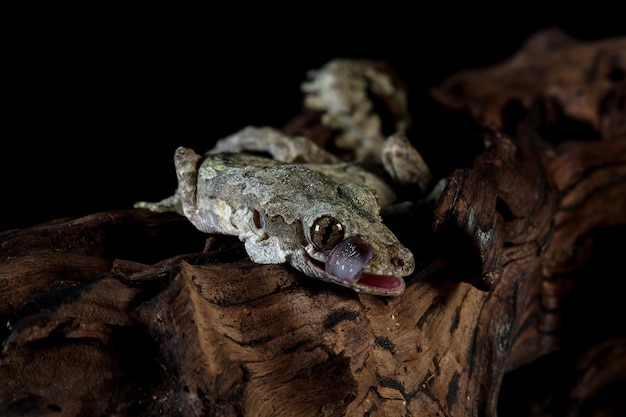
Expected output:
{"points": [[327, 230], [350, 246]]}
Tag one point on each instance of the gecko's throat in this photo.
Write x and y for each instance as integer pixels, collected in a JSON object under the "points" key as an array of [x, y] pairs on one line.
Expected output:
{"points": [[348, 261]]}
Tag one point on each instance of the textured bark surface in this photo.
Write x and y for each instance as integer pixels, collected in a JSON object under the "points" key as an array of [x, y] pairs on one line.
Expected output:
{"points": [[514, 308], [582, 80]]}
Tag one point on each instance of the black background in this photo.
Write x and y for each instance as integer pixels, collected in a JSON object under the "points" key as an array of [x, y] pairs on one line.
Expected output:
{"points": [[96, 101]]}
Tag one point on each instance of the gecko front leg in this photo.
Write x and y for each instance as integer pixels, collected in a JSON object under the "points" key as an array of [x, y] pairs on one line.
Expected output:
{"points": [[405, 164], [186, 162]]}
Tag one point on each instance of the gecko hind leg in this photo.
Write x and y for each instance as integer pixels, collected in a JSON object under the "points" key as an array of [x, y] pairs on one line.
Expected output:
{"points": [[281, 147]]}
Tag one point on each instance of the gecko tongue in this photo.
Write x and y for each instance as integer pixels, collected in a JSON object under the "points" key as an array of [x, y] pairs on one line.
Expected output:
{"points": [[349, 258]]}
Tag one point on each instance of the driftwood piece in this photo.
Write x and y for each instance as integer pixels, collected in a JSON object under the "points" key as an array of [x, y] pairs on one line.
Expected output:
{"points": [[213, 331], [577, 343], [131, 313], [581, 80]]}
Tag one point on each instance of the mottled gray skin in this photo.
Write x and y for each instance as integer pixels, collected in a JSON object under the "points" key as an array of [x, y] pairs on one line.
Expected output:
{"points": [[271, 206]]}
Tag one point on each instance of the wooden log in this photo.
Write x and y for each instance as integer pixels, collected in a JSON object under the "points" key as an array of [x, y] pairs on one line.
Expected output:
{"points": [[248, 339]]}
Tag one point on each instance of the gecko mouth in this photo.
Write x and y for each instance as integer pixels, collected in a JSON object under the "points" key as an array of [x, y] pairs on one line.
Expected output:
{"points": [[346, 263]]}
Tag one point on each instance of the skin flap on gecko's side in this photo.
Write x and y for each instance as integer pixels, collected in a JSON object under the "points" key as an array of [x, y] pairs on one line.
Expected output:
{"points": [[292, 213]]}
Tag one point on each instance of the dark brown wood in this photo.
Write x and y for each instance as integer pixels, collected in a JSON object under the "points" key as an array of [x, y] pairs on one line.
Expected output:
{"points": [[514, 307], [579, 77]]}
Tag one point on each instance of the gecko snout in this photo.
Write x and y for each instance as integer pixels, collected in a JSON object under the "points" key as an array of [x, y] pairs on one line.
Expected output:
{"points": [[402, 259]]}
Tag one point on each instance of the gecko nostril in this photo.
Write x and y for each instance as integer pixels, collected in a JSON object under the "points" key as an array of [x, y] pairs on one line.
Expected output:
{"points": [[395, 261]]}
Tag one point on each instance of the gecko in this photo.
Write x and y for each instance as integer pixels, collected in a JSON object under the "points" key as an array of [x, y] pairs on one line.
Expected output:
{"points": [[302, 205]]}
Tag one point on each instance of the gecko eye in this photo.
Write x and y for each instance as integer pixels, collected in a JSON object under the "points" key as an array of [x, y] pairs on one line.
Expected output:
{"points": [[326, 232]]}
